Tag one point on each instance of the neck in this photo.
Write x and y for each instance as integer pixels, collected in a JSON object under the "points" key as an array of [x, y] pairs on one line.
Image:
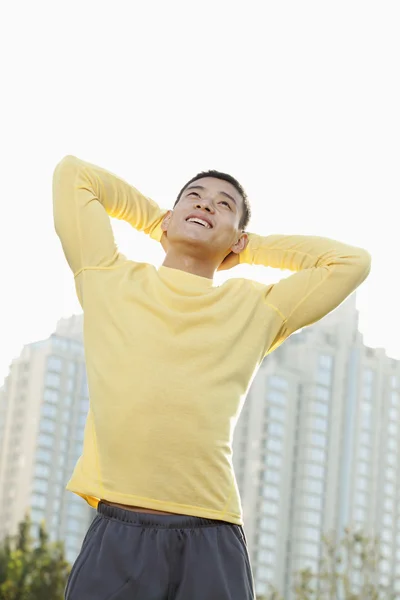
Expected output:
{"points": [[189, 264]]}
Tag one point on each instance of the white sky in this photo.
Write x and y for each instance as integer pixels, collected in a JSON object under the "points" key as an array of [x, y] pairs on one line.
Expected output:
{"points": [[298, 100]]}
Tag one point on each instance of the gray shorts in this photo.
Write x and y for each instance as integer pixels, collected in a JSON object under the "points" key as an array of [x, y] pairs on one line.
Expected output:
{"points": [[129, 555]]}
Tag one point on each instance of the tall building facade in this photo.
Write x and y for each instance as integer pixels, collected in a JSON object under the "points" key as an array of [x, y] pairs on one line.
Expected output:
{"points": [[317, 449], [43, 408]]}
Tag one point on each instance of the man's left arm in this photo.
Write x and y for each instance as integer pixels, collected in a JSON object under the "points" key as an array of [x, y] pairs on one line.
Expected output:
{"points": [[326, 272]]}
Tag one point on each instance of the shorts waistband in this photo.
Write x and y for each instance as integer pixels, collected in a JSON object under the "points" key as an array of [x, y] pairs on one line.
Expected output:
{"points": [[154, 520]]}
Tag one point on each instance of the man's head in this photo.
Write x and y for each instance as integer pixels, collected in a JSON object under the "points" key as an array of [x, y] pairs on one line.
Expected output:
{"points": [[209, 217]]}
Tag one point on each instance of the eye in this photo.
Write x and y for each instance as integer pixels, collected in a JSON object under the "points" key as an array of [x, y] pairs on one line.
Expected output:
{"points": [[226, 203], [194, 194]]}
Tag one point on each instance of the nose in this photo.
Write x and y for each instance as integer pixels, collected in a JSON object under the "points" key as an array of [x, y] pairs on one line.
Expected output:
{"points": [[205, 204]]}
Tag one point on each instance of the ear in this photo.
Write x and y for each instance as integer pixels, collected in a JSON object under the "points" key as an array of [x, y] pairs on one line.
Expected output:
{"points": [[240, 244], [166, 221]]}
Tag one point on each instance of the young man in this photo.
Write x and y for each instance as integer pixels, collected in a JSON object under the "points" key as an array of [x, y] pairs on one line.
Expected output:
{"points": [[170, 357]]}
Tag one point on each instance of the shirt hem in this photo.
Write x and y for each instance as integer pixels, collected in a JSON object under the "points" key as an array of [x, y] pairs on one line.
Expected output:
{"points": [[151, 503]]}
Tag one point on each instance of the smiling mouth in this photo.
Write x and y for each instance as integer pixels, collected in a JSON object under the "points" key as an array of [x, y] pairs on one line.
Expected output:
{"points": [[199, 222]]}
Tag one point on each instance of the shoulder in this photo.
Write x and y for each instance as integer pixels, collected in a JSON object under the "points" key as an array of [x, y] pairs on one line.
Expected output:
{"points": [[248, 285]]}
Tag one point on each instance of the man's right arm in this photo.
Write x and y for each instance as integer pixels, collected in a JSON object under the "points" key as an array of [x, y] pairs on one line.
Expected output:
{"points": [[84, 197]]}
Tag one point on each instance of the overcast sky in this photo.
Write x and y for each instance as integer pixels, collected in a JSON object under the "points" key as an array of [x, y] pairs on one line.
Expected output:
{"points": [[298, 100]]}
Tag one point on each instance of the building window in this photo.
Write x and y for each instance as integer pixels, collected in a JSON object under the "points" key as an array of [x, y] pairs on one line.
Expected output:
{"points": [[40, 486], [71, 554], [45, 440], [312, 534], [73, 525], [395, 381], [82, 421], [72, 369], [43, 455], [276, 413], [369, 376], [47, 425], [365, 438], [364, 453], [277, 397], [50, 396], [322, 393], [394, 398], [264, 573], [270, 492], [360, 514], [271, 476], [391, 459], [80, 435], [316, 454], [367, 393], [324, 377], [361, 499], [363, 468], [387, 535], [389, 489], [366, 416], [60, 343], [318, 439], [313, 485], [268, 524], [42, 470], [38, 501], [319, 423], [313, 470], [393, 413], [387, 550], [362, 484], [54, 363], [37, 515], [269, 508], [312, 518], [268, 540], [392, 428], [325, 361], [311, 550], [280, 383], [390, 474], [52, 380], [85, 405], [388, 520], [49, 410], [321, 408], [274, 445], [388, 504], [84, 386], [273, 460]]}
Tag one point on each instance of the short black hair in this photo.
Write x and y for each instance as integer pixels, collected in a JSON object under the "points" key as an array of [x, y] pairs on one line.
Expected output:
{"points": [[244, 221]]}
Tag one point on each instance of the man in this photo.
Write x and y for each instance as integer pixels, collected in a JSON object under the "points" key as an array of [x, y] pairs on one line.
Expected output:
{"points": [[170, 357]]}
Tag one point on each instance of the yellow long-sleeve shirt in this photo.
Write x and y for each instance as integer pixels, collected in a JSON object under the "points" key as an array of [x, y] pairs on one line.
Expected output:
{"points": [[170, 355]]}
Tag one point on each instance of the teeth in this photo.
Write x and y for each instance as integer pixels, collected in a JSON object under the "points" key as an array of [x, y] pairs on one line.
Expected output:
{"points": [[200, 221]]}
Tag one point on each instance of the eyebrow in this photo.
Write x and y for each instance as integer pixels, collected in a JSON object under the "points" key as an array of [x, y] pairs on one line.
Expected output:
{"points": [[201, 187]]}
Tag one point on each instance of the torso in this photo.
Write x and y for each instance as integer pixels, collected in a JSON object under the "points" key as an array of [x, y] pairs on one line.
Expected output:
{"points": [[136, 508]]}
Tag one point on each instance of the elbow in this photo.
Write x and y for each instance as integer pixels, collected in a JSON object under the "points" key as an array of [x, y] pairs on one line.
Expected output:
{"points": [[365, 259], [362, 264], [64, 174], [65, 164]]}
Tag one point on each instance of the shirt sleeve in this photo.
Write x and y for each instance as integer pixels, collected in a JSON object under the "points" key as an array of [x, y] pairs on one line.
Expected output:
{"points": [[84, 197], [326, 272]]}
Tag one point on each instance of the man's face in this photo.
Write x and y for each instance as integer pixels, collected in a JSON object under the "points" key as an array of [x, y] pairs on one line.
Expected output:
{"points": [[206, 217]]}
